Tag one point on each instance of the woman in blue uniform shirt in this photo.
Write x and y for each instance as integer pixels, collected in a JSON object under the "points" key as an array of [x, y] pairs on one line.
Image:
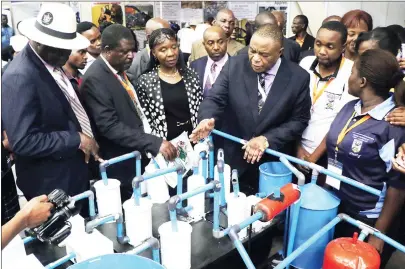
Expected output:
{"points": [[361, 145]]}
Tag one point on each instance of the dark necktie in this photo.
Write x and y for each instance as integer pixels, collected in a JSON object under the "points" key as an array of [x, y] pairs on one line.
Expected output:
{"points": [[262, 82]]}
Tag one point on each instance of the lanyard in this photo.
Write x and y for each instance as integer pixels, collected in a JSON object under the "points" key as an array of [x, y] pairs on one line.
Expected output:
{"points": [[131, 94], [346, 130], [317, 93]]}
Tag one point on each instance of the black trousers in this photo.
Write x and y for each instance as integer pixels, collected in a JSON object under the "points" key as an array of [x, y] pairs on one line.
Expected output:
{"points": [[345, 229]]}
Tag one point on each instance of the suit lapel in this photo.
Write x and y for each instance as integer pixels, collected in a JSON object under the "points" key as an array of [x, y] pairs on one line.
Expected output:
{"points": [[277, 89], [250, 78], [202, 66], [51, 84]]}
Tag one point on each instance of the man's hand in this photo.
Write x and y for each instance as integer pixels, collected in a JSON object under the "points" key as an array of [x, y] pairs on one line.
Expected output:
{"points": [[397, 117], [377, 243], [303, 155], [168, 151], [202, 130], [255, 148], [90, 147], [399, 157], [401, 63], [36, 211]]}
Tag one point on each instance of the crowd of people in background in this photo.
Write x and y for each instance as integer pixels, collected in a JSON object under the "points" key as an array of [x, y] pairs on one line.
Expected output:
{"points": [[336, 98]]}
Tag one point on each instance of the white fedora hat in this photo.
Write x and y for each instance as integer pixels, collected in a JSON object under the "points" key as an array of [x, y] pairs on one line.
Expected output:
{"points": [[55, 26]]}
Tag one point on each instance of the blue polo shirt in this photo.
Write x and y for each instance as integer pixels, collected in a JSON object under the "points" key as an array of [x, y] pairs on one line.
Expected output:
{"points": [[365, 153]]}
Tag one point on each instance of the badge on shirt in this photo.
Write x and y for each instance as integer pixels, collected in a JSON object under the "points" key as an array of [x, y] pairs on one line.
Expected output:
{"points": [[337, 168]]}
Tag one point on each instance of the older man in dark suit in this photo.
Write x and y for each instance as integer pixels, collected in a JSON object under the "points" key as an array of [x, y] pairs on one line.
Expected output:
{"points": [[47, 126], [114, 106], [291, 50], [266, 102]]}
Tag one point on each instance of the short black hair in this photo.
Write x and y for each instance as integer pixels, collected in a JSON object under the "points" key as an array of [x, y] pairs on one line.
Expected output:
{"points": [[384, 37], [336, 27], [84, 26], [157, 37], [304, 20], [399, 30], [113, 34]]}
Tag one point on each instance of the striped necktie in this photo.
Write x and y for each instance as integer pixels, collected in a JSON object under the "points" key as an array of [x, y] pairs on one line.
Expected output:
{"points": [[74, 102], [208, 82], [262, 82]]}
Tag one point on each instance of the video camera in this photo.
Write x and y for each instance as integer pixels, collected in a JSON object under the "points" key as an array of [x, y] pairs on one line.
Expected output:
{"points": [[57, 227]]}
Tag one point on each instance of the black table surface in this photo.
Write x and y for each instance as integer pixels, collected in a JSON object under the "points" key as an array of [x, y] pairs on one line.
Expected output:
{"points": [[206, 251]]}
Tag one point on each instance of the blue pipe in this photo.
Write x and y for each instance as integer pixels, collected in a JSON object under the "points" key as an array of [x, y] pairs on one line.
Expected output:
{"points": [[261, 195], [204, 168], [179, 187], [105, 164], [374, 232], [120, 229], [286, 262], [28, 239], [196, 191], [173, 220], [141, 248], [195, 170], [61, 261], [211, 157], [160, 172], [242, 251], [216, 211], [235, 182], [255, 217], [305, 163], [362, 236], [90, 195], [156, 255], [293, 229], [222, 181]]}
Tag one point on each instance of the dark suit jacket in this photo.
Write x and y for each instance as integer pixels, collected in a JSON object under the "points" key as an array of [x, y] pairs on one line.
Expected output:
{"points": [[139, 65], [283, 118], [199, 67], [291, 50], [42, 129], [306, 53], [119, 128], [308, 42]]}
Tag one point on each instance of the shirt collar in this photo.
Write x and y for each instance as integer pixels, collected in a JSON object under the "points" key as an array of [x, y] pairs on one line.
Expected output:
{"points": [[274, 69], [220, 62], [380, 111], [108, 64], [314, 65]]}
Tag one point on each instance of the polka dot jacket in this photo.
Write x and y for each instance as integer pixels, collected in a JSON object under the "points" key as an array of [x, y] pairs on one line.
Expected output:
{"points": [[150, 97]]}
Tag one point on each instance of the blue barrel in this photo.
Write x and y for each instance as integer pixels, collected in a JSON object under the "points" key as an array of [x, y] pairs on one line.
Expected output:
{"points": [[118, 261], [273, 175], [318, 208]]}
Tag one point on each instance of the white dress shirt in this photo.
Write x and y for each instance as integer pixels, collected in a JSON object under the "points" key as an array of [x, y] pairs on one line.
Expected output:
{"points": [[220, 64]]}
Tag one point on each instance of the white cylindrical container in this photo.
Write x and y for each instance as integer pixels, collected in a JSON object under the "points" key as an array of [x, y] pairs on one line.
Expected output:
{"points": [[197, 201], [227, 179], [157, 187], [175, 246], [138, 220], [197, 149], [108, 197], [236, 212]]}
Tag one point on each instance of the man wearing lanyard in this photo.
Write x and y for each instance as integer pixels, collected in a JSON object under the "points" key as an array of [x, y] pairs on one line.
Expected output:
{"points": [[257, 100], [329, 73], [113, 104]]}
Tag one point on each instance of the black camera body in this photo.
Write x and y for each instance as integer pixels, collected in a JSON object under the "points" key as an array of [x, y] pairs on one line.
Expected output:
{"points": [[57, 227]]}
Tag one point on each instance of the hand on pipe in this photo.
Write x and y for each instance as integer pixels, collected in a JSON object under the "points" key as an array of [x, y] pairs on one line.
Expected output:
{"points": [[203, 130], [90, 148], [255, 148]]}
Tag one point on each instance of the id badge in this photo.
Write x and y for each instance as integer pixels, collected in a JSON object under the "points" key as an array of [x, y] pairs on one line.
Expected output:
{"points": [[337, 168]]}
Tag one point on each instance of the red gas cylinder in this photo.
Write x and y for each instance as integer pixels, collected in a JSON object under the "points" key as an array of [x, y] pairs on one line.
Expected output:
{"points": [[349, 253], [271, 206]]}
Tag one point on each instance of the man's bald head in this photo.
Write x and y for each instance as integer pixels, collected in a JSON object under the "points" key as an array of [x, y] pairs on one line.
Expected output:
{"points": [[215, 42], [265, 18], [332, 18], [226, 20], [279, 17], [154, 24], [214, 30]]}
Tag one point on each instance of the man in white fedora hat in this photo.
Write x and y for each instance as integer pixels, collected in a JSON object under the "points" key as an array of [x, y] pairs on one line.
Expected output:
{"points": [[47, 127]]}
